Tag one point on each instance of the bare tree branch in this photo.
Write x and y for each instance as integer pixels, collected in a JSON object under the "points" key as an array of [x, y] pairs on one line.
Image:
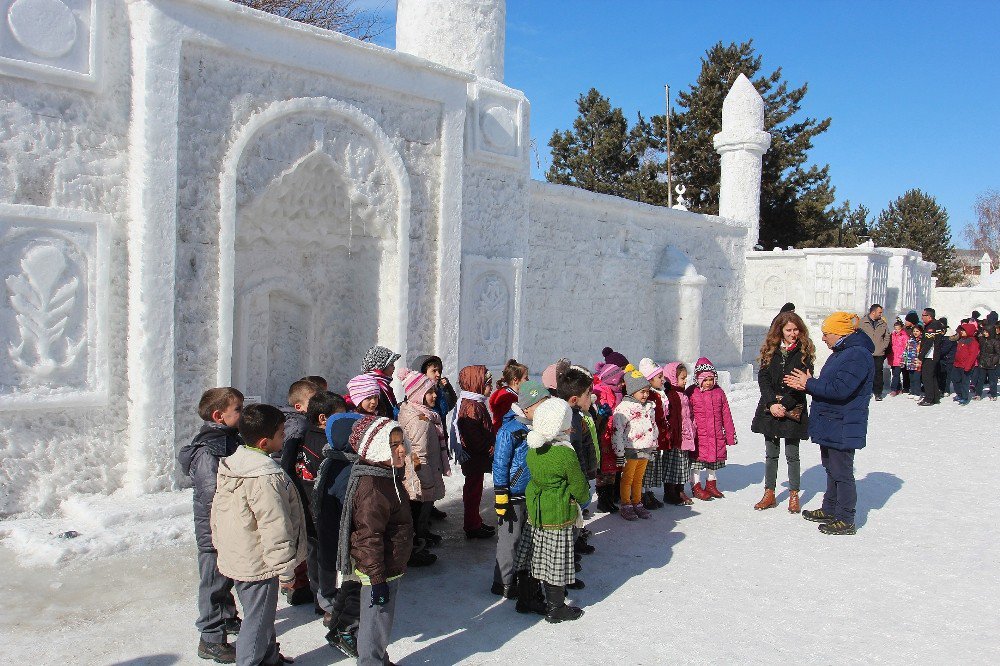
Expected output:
{"points": [[337, 15], [984, 233]]}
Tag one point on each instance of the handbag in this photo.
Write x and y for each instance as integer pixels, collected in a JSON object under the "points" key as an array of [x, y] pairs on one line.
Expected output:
{"points": [[795, 413]]}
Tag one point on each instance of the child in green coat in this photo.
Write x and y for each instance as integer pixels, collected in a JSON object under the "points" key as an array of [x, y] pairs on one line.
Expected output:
{"points": [[554, 498]]}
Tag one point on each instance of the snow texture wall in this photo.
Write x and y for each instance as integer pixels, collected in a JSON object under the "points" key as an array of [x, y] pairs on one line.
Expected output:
{"points": [[195, 194]]}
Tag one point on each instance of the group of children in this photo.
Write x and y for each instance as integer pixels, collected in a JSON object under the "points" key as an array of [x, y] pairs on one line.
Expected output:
{"points": [[967, 361], [330, 499]]}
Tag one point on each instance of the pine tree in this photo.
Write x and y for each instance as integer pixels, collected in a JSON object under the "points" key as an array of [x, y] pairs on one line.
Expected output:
{"points": [[603, 154], [854, 227], [915, 220], [796, 198]]}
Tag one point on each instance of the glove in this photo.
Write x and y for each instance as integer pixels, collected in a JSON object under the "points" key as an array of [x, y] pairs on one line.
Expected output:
{"points": [[620, 460], [502, 507], [380, 594]]}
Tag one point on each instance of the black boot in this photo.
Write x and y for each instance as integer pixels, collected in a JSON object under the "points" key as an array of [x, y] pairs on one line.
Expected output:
{"points": [[555, 602], [505, 591], [671, 495], [527, 595], [604, 504], [582, 547]]}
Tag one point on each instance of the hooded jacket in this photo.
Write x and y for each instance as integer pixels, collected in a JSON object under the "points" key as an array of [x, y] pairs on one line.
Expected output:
{"points": [[331, 485], [200, 461], [679, 417], [474, 422], [381, 528], [899, 340], [635, 434], [989, 350], [258, 523], [714, 427], [967, 350], [841, 394]]}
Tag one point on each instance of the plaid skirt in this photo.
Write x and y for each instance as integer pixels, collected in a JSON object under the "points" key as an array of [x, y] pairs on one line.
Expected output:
{"points": [[676, 466], [698, 465], [655, 471], [548, 553]]}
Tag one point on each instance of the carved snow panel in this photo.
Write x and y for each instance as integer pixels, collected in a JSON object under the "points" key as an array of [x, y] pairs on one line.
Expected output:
{"points": [[54, 266], [495, 126], [489, 329], [52, 41]]}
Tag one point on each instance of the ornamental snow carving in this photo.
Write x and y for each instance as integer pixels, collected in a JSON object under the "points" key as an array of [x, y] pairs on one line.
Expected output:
{"points": [[43, 298], [492, 311], [52, 41]]}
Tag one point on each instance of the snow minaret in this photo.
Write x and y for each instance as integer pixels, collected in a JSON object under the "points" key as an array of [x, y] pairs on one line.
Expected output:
{"points": [[742, 144], [985, 265], [467, 35]]}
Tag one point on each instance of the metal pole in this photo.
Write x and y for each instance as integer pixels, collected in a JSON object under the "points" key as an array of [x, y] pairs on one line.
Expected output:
{"points": [[670, 184]]}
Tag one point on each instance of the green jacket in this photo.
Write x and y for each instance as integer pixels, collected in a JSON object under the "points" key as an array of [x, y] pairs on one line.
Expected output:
{"points": [[557, 486]]}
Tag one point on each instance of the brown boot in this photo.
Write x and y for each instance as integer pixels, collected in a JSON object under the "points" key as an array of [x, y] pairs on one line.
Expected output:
{"points": [[793, 501], [767, 501]]}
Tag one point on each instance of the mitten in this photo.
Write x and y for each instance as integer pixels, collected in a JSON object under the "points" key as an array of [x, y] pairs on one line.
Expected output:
{"points": [[380, 594]]}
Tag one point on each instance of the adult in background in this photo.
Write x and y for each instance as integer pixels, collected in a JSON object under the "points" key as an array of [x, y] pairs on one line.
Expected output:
{"points": [[877, 328], [839, 418], [782, 412], [930, 353]]}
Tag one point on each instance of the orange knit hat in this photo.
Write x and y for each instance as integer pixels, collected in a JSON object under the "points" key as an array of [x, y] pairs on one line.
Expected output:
{"points": [[841, 323]]}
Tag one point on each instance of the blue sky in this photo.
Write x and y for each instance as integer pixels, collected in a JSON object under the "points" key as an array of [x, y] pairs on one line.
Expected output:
{"points": [[913, 87]]}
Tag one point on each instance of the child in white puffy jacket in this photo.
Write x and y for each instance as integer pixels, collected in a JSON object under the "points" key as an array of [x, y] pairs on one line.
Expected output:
{"points": [[634, 441]]}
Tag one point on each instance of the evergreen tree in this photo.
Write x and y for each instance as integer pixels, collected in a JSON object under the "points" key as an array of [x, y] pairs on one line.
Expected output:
{"points": [[603, 154], [796, 198], [854, 227], [915, 220]]}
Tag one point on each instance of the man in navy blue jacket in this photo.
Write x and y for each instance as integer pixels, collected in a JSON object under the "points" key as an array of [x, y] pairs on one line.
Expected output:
{"points": [[838, 420]]}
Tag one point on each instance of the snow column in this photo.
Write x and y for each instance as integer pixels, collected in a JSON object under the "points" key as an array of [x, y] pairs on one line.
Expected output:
{"points": [[742, 144], [467, 35]]}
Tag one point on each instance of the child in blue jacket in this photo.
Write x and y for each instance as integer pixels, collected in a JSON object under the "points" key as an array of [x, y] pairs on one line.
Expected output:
{"points": [[510, 481]]}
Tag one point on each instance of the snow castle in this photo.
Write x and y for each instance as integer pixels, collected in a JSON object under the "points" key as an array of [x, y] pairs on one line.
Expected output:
{"points": [[196, 194]]}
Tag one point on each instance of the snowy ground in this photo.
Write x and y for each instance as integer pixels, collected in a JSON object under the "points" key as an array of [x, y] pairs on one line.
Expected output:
{"points": [[716, 582]]}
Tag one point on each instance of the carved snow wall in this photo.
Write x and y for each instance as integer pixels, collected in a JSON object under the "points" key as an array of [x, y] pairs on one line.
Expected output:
{"points": [[53, 326], [605, 271], [491, 310]]}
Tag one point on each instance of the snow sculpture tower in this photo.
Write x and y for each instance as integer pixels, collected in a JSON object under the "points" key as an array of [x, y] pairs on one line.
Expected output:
{"points": [[742, 144], [467, 35]]}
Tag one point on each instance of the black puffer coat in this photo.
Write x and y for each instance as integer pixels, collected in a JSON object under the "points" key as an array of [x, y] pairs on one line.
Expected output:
{"points": [[989, 352], [772, 384], [200, 461]]}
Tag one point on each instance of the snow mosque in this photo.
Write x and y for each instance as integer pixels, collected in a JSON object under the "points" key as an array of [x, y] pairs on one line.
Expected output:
{"points": [[197, 194]]}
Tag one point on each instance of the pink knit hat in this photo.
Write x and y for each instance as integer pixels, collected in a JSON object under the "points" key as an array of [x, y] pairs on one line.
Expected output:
{"points": [[361, 387], [704, 368], [550, 376], [649, 369], [609, 373], [415, 384]]}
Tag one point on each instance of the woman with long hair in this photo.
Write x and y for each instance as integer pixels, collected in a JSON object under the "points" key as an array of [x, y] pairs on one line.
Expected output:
{"points": [[782, 412]]}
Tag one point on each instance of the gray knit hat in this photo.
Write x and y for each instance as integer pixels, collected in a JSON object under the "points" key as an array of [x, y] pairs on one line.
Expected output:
{"points": [[530, 393], [635, 381]]}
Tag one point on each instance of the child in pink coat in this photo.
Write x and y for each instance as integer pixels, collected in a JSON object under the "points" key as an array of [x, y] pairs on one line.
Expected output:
{"points": [[714, 428], [896, 365]]}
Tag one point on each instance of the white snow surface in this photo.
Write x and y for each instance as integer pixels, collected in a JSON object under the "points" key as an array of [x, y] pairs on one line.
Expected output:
{"points": [[713, 583]]}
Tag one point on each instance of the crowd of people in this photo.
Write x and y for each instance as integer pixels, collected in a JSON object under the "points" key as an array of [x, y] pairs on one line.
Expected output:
{"points": [[329, 499]]}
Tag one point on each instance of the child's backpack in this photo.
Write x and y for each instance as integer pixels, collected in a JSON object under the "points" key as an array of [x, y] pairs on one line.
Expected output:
{"points": [[310, 454]]}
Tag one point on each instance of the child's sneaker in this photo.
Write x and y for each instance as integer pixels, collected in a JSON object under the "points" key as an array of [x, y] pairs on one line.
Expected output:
{"points": [[627, 511], [642, 511], [223, 653], [344, 641]]}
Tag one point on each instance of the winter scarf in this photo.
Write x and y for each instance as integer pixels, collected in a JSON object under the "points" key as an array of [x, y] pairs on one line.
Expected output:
{"points": [[472, 381], [344, 564]]}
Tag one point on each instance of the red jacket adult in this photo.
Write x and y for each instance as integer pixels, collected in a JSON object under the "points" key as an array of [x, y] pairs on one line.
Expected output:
{"points": [[967, 351]]}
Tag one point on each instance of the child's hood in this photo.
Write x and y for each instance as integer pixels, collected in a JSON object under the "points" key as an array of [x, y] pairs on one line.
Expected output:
{"points": [[246, 463], [218, 439]]}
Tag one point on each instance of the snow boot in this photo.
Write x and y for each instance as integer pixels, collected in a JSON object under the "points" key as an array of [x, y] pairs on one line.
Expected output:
{"points": [[223, 653], [838, 527], [556, 608], [345, 641], [713, 489], [767, 501], [481, 532], [604, 501], [576, 585], [685, 500], [818, 516], [700, 492], [505, 591], [793, 501], [582, 547], [628, 512], [650, 502], [642, 511], [670, 494], [421, 558], [527, 595]]}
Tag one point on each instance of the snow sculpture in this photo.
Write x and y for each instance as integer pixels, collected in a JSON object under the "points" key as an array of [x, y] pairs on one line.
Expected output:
{"points": [[742, 144], [490, 306], [679, 288], [51, 40], [681, 201], [467, 35], [985, 265]]}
